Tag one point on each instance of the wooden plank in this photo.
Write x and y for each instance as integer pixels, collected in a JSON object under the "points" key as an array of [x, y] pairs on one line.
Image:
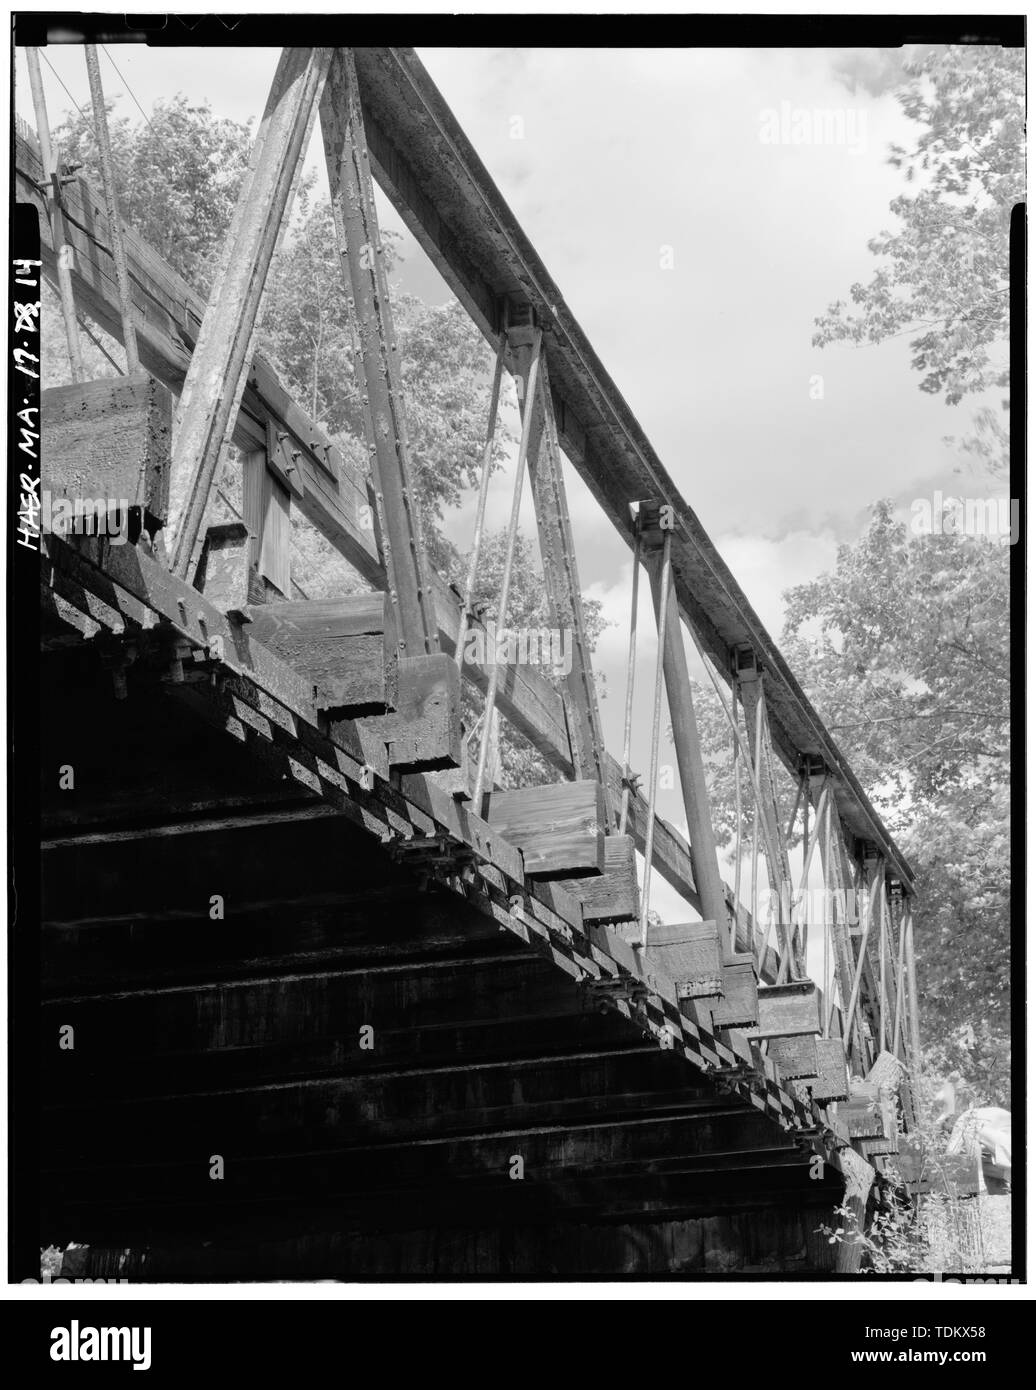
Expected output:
{"points": [[796, 1057], [225, 576], [614, 896], [274, 562], [739, 1007], [861, 1113], [266, 510], [347, 647], [109, 439], [832, 1081], [690, 954], [559, 828], [787, 1010], [423, 734]]}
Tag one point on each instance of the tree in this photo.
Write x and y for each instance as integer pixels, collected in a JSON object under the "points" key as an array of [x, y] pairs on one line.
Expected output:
{"points": [[904, 647], [178, 176], [944, 272]]}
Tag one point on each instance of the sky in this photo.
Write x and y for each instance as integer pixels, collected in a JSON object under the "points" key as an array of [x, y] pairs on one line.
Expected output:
{"points": [[696, 253]]}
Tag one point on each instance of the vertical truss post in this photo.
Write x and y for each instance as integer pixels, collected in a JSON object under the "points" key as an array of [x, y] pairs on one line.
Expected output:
{"points": [[775, 846], [631, 665], [735, 698], [872, 878], [489, 709], [664, 582], [883, 1020], [560, 572], [913, 1018], [129, 333], [900, 991], [810, 843], [219, 366], [49, 156], [838, 887], [701, 834], [366, 284]]}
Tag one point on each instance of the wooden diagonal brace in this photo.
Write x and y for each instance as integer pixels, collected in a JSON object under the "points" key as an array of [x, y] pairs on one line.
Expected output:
{"points": [[216, 377], [689, 757], [560, 572], [359, 243], [775, 846]]}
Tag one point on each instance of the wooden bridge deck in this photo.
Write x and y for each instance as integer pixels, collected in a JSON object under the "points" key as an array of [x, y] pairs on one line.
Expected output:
{"points": [[242, 1036]]}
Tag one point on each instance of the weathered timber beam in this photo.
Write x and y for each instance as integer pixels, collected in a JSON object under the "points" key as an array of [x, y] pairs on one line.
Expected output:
{"points": [[366, 1151], [688, 748], [224, 818], [524, 1230], [361, 255], [411, 1099], [345, 646], [110, 440], [221, 359], [559, 828], [431, 173]]}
